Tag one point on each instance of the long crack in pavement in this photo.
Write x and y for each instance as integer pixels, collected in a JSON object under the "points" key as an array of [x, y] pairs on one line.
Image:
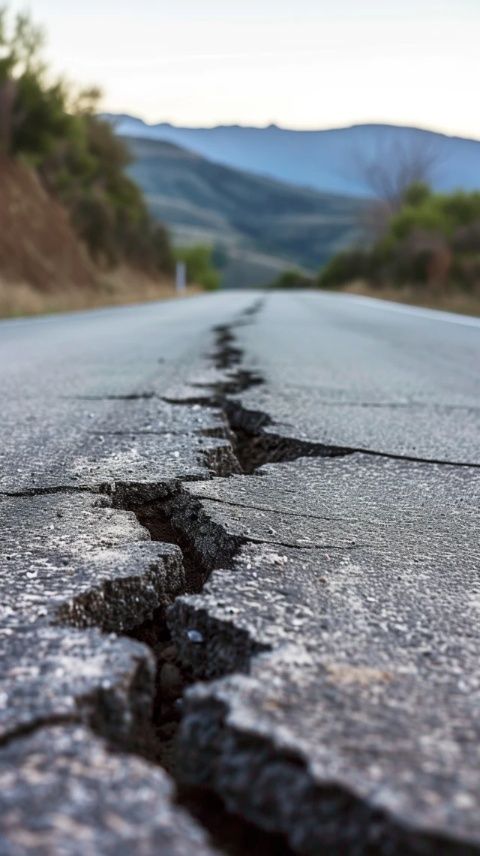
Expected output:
{"points": [[304, 665]]}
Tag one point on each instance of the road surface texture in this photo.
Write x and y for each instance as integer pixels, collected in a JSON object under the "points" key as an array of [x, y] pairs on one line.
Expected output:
{"points": [[240, 587]]}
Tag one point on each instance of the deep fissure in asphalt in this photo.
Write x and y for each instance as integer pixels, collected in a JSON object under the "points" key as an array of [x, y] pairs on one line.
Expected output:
{"points": [[254, 447], [179, 519], [176, 518]]}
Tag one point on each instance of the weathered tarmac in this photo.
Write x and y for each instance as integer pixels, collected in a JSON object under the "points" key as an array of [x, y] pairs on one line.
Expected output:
{"points": [[278, 498], [63, 790], [367, 691]]}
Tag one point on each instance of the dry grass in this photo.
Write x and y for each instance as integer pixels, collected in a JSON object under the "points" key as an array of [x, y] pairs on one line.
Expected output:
{"points": [[448, 301], [120, 287]]}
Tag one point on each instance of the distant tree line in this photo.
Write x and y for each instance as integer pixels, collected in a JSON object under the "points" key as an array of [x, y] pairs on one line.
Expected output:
{"points": [[76, 155], [293, 278]]}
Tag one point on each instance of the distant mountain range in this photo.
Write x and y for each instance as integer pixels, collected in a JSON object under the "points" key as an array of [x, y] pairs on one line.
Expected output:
{"points": [[332, 161], [258, 226]]}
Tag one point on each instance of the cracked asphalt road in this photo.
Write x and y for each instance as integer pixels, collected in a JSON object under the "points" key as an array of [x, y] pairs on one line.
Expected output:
{"points": [[368, 375], [333, 652]]}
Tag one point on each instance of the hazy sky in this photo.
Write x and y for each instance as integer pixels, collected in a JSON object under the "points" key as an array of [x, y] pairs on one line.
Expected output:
{"points": [[303, 63]]}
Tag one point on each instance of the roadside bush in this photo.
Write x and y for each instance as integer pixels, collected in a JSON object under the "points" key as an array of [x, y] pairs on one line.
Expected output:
{"points": [[200, 267], [432, 242], [293, 279], [345, 267]]}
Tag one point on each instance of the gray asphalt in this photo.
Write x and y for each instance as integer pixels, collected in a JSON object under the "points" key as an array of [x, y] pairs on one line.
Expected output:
{"points": [[316, 457], [369, 375]]}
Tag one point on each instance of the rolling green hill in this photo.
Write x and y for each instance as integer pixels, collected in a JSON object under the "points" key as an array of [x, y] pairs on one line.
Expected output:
{"points": [[257, 225]]}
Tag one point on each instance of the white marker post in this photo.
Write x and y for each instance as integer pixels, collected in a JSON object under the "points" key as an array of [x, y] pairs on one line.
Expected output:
{"points": [[181, 277]]}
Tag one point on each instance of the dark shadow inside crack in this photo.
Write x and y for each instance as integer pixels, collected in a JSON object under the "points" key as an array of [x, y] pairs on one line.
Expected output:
{"points": [[133, 396], [234, 382], [171, 515], [245, 429], [252, 310], [230, 833], [179, 520], [227, 354], [254, 447]]}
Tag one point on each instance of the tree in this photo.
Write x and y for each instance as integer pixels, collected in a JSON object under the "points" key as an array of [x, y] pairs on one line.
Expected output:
{"points": [[397, 165], [20, 67], [390, 172], [431, 243]]}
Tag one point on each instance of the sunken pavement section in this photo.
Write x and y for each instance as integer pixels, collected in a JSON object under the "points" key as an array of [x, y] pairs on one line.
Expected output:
{"points": [[219, 635]]}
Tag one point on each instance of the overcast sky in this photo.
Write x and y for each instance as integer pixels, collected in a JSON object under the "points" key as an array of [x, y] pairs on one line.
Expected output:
{"points": [[302, 63]]}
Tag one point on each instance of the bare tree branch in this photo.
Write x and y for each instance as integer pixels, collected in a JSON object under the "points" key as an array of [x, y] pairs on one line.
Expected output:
{"points": [[394, 167]]}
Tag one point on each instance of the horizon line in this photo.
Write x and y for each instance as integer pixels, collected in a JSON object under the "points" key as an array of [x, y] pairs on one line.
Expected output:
{"points": [[300, 130]]}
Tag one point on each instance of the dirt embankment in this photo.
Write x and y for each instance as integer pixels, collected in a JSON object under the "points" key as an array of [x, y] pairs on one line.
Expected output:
{"points": [[37, 243], [44, 266]]}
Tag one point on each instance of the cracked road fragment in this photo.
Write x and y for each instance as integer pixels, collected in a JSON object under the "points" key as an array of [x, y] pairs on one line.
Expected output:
{"points": [[62, 790], [83, 563], [362, 708]]}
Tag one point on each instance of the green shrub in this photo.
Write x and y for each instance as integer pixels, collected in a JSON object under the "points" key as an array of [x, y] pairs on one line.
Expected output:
{"points": [[416, 194], [293, 279], [432, 241], [200, 267], [345, 267]]}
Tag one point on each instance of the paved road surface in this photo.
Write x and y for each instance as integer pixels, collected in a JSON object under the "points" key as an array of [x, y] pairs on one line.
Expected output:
{"points": [[274, 494]]}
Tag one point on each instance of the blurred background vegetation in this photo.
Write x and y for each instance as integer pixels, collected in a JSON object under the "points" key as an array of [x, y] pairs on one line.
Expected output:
{"points": [[429, 245], [200, 268]]}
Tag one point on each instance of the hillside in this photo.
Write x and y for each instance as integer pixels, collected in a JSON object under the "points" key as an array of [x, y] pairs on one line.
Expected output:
{"points": [[44, 266], [40, 254], [333, 161], [75, 230], [259, 226], [37, 241]]}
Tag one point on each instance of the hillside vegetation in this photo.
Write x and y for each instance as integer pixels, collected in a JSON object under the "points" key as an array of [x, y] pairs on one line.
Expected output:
{"points": [[258, 227], [430, 251], [68, 208], [200, 269]]}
